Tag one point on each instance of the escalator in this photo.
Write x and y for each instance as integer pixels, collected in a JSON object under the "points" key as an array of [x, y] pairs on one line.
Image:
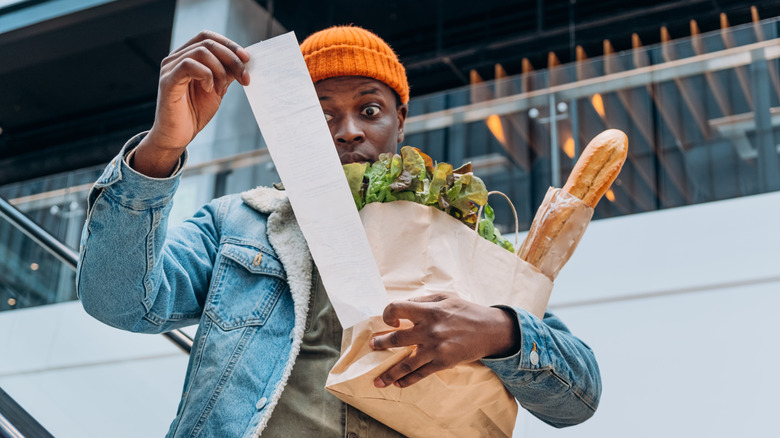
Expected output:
{"points": [[15, 422], [17, 288], [36, 269]]}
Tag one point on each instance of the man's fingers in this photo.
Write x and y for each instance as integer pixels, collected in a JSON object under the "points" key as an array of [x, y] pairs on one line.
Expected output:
{"points": [[433, 298], [202, 58], [420, 312], [220, 59], [396, 338], [408, 366], [419, 374], [397, 310], [225, 41], [191, 70], [232, 60], [232, 63]]}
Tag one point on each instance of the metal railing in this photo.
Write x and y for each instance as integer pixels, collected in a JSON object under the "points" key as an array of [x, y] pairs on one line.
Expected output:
{"points": [[67, 256], [15, 422]]}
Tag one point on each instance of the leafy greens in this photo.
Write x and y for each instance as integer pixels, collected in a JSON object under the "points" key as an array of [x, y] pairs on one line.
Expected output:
{"points": [[413, 176]]}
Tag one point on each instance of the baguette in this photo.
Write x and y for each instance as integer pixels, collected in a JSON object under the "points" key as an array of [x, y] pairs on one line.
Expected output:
{"points": [[551, 234], [598, 166]]}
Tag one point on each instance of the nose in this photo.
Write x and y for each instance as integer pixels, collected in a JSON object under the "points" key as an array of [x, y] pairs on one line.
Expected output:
{"points": [[348, 131]]}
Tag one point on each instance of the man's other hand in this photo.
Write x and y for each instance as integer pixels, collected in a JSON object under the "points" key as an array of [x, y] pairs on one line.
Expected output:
{"points": [[447, 331]]}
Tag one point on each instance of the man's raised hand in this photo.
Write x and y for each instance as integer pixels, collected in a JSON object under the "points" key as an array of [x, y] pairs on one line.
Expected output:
{"points": [[193, 80]]}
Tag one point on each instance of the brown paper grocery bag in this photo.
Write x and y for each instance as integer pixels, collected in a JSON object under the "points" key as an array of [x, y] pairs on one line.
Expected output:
{"points": [[419, 251]]}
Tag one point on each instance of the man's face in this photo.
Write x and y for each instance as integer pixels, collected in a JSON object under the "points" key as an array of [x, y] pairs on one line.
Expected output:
{"points": [[362, 116]]}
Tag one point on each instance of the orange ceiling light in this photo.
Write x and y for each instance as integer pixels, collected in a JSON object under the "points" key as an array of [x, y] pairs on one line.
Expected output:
{"points": [[568, 147], [610, 195], [496, 128], [598, 104]]}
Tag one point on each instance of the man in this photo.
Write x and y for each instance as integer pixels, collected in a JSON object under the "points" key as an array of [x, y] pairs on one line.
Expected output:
{"points": [[241, 270]]}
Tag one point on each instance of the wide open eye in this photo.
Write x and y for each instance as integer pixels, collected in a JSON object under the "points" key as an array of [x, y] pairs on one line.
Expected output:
{"points": [[328, 117], [371, 111]]}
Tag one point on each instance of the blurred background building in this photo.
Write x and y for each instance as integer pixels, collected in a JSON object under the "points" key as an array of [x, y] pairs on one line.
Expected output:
{"points": [[673, 286]]}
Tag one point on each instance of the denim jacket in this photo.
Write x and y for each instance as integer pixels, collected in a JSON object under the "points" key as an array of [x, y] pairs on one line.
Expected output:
{"points": [[241, 270]]}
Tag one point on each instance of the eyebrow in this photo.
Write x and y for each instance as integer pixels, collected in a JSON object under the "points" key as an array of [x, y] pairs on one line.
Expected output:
{"points": [[359, 93], [367, 91]]}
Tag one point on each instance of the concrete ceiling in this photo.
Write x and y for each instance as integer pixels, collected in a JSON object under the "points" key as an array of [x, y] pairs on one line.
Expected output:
{"points": [[70, 83]]}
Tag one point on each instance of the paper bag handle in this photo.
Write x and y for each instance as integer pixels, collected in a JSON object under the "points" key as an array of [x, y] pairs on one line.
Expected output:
{"points": [[514, 213]]}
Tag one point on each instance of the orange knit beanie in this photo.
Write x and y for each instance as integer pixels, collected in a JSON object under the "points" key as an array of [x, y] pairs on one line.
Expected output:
{"points": [[354, 51]]}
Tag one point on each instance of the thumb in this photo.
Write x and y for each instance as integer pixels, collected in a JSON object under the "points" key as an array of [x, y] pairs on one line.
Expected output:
{"points": [[432, 298]]}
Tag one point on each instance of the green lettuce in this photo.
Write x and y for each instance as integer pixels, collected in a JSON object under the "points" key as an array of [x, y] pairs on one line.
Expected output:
{"points": [[487, 230], [413, 176], [355, 173]]}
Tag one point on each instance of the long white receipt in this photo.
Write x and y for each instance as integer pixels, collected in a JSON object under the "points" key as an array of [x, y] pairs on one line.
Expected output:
{"points": [[290, 118]]}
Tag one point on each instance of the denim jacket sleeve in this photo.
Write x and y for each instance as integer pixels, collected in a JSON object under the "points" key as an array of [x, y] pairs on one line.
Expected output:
{"points": [[129, 276], [554, 375]]}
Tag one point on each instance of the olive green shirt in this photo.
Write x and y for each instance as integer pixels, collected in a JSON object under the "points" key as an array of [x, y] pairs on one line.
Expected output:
{"points": [[305, 408]]}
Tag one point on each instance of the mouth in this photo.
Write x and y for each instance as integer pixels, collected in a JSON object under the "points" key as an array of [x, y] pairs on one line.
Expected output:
{"points": [[353, 157]]}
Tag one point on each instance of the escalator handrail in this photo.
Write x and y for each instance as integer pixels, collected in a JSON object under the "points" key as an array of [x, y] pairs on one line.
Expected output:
{"points": [[67, 256], [15, 422], [38, 234]]}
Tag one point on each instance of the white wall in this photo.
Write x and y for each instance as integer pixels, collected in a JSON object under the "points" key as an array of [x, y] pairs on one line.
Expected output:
{"points": [[677, 304], [688, 365]]}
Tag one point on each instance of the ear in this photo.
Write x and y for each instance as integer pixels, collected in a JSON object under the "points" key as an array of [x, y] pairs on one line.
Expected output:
{"points": [[402, 110]]}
